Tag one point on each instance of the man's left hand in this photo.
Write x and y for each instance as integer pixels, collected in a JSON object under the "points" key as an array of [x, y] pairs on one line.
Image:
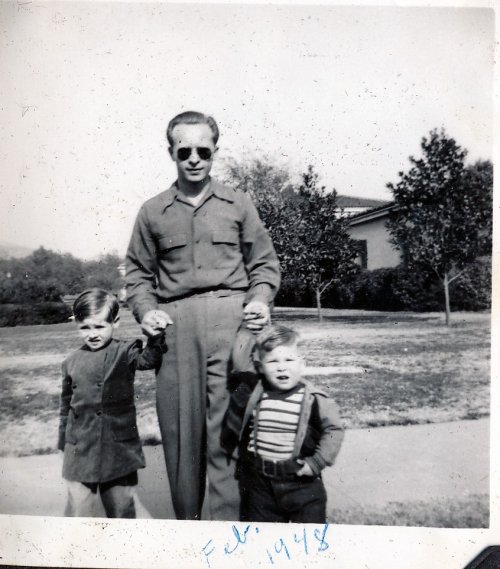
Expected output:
{"points": [[256, 315]]}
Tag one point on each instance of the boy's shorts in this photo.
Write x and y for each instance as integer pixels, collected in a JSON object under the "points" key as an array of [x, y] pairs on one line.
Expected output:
{"points": [[118, 497]]}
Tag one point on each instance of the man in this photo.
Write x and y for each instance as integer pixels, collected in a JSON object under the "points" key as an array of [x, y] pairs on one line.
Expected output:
{"points": [[199, 263]]}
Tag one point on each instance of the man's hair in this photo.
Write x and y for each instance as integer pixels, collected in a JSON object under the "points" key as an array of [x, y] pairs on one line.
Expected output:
{"points": [[91, 301], [273, 337], [192, 117]]}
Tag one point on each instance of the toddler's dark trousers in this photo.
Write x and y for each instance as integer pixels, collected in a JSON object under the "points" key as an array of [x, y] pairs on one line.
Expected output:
{"points": [[300, 499]]}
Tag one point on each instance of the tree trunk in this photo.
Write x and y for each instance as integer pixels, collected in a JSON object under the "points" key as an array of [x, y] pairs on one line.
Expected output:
{"points": [[318, 305], [446, 285]]}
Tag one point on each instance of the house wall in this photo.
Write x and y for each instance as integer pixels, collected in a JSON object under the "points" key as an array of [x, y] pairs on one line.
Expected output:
{"points": [[380, 253]]}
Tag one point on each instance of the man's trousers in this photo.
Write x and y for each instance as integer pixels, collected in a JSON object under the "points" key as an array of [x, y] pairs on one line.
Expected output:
{"points": [[192, 396]]}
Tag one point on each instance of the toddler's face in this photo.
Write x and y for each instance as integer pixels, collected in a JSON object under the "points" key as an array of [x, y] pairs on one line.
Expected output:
{"points": [[282, 367], [96, 331]]}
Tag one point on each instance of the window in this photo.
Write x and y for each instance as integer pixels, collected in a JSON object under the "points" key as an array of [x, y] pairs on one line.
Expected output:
{"points": [[362, 253]]}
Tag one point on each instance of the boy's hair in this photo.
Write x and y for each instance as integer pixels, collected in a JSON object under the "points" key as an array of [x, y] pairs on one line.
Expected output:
{"points": [[273, 337], [192, 117], [92, 301]]}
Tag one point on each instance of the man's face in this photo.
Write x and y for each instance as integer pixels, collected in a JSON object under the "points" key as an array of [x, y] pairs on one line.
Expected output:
{"points": [[282, 367], [193, 151]]}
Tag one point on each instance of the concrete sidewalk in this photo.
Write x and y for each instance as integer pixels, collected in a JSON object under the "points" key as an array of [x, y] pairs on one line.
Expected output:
{"points": [[374, 467]]}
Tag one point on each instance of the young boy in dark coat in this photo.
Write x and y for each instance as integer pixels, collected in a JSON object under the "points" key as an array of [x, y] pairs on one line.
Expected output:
{"points": [[98, 430], [286, 429]]}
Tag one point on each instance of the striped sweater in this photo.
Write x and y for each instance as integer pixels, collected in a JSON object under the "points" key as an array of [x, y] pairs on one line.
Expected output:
{"points": [[276, 417]]}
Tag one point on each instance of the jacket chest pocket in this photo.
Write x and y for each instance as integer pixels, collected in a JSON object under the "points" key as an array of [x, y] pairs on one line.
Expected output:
{"points": [[173, 252], [226, 244]]}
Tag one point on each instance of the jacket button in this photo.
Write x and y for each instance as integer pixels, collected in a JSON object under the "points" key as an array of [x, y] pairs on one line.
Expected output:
{"points": [[99, 413], [99, 384]]}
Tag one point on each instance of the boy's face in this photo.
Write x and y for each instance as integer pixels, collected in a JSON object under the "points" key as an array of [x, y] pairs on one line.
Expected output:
{"points": [[96, 331], [282, 367], [193, 151]]}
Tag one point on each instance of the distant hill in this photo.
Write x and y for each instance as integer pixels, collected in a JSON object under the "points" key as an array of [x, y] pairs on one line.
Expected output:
{"points": [[10, 250]]}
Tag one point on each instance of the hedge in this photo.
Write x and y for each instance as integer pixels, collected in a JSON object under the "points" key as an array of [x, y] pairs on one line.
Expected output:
{"points": [[37, 313], [398, 288]]}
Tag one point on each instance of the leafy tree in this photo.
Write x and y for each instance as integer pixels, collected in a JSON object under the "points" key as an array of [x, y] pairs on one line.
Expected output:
{"points": [[104, 273], [46, 276], [310, 240], [271, 190], [442, 218], [67, 271], [321, 251], [40, 277]]}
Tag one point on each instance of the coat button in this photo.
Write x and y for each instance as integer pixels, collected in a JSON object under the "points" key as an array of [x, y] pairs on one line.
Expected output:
{"points": [[99, 384], [99, 413]]}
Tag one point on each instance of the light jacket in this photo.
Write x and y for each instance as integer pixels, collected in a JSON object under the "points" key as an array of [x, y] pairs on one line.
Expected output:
{"points": [[98, 430]]}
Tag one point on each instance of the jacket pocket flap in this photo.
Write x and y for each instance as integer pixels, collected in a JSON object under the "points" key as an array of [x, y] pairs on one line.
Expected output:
{"points": [[225, 236], [170, 241]]}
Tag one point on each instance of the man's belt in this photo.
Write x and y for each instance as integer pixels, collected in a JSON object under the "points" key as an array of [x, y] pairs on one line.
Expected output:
{"points": [[276, 468], [213, 292]]}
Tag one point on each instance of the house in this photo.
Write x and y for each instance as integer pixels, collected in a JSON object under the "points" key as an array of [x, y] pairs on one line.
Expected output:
{"points": [[368, 229]]}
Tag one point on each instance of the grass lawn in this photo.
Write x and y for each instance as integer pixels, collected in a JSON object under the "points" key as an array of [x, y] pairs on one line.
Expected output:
{"points": [[468, 512], [383, 369]]}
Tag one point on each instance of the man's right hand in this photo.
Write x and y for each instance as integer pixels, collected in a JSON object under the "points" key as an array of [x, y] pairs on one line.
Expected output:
{"points": [[155, 321]]}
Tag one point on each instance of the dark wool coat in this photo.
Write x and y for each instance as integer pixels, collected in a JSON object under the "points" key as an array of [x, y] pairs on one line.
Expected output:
{"points": [[98, 430]]}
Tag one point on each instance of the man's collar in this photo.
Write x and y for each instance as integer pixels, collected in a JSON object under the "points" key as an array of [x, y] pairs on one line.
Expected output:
{"points": [[222, 192], [215, 188], [168, 197]]}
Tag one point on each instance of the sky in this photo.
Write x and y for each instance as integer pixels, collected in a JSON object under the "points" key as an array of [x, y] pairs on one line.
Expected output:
{"points": [[88, 88]]}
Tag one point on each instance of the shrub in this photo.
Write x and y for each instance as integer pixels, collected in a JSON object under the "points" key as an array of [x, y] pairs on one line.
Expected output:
{"points": [[37, 313], [386, 289], [472, 290], [293, 293], [400, 288]]}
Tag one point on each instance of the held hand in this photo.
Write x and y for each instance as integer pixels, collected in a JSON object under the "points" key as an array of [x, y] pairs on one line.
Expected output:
{"points": [[155, 322], [256, 315], [306, 470]]}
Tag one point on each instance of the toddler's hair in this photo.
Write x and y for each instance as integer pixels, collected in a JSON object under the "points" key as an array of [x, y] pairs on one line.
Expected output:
{"points": [[272, 337], [92, 301], [192, 117]]}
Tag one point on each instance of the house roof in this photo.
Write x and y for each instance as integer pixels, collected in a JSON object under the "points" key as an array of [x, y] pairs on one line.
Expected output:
{"points": [[351, 201], [374, 213]]}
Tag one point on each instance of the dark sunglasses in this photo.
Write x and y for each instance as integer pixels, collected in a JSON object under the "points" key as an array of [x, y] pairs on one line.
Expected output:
{"points": [[203, 152]]}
